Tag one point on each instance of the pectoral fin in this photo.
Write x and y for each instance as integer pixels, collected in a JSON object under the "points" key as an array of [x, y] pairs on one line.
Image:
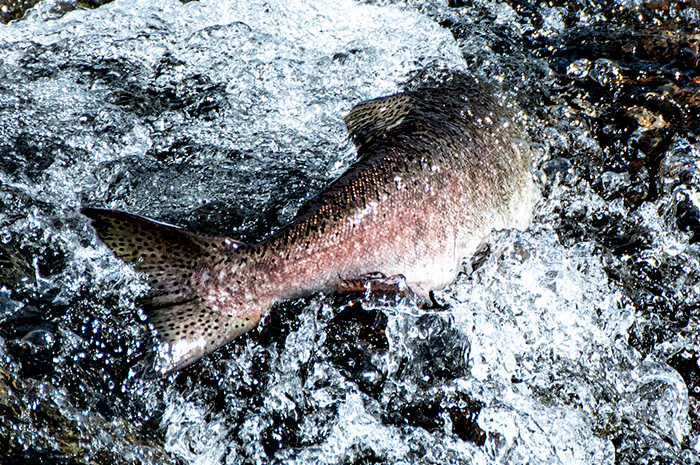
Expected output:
{"points": [[377, 284]]}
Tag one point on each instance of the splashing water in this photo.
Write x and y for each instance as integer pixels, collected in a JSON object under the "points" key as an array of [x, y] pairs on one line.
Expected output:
{"points": [[575, 341]]}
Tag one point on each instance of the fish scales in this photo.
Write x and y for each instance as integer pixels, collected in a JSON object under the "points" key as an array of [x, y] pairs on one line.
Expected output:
{"points": [[438, 168]]}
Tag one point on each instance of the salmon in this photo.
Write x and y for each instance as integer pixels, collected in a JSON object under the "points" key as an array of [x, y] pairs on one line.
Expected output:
{"points": [[439, 167]]}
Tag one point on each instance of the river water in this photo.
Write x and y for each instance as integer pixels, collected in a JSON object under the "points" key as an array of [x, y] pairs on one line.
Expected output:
{"points": [[575, 341]]}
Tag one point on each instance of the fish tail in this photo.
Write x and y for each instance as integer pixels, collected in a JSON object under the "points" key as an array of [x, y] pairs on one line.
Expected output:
{"points": [[173, 260]]}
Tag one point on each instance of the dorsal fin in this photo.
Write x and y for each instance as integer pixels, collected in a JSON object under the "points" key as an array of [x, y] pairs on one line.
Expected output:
{"points": [[370, 120]]}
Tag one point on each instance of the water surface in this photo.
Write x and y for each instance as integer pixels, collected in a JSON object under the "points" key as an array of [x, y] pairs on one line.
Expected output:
{"points": [[575, 341]]}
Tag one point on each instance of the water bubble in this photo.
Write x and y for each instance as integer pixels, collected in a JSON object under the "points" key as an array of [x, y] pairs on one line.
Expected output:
{"points": [[38, 340]]}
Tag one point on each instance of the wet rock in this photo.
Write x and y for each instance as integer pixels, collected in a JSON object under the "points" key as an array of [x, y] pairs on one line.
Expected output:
{"points": [[355, 337]]}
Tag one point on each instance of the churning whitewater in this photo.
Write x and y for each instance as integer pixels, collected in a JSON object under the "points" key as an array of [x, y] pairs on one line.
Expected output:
{"points": [[575, 341]]}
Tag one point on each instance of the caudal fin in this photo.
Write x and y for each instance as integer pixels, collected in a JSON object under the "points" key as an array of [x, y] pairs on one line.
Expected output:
{"points": [[173, 260]]}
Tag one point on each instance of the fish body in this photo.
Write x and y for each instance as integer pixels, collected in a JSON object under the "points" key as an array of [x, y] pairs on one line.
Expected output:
{"points": [[438, 168]]}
